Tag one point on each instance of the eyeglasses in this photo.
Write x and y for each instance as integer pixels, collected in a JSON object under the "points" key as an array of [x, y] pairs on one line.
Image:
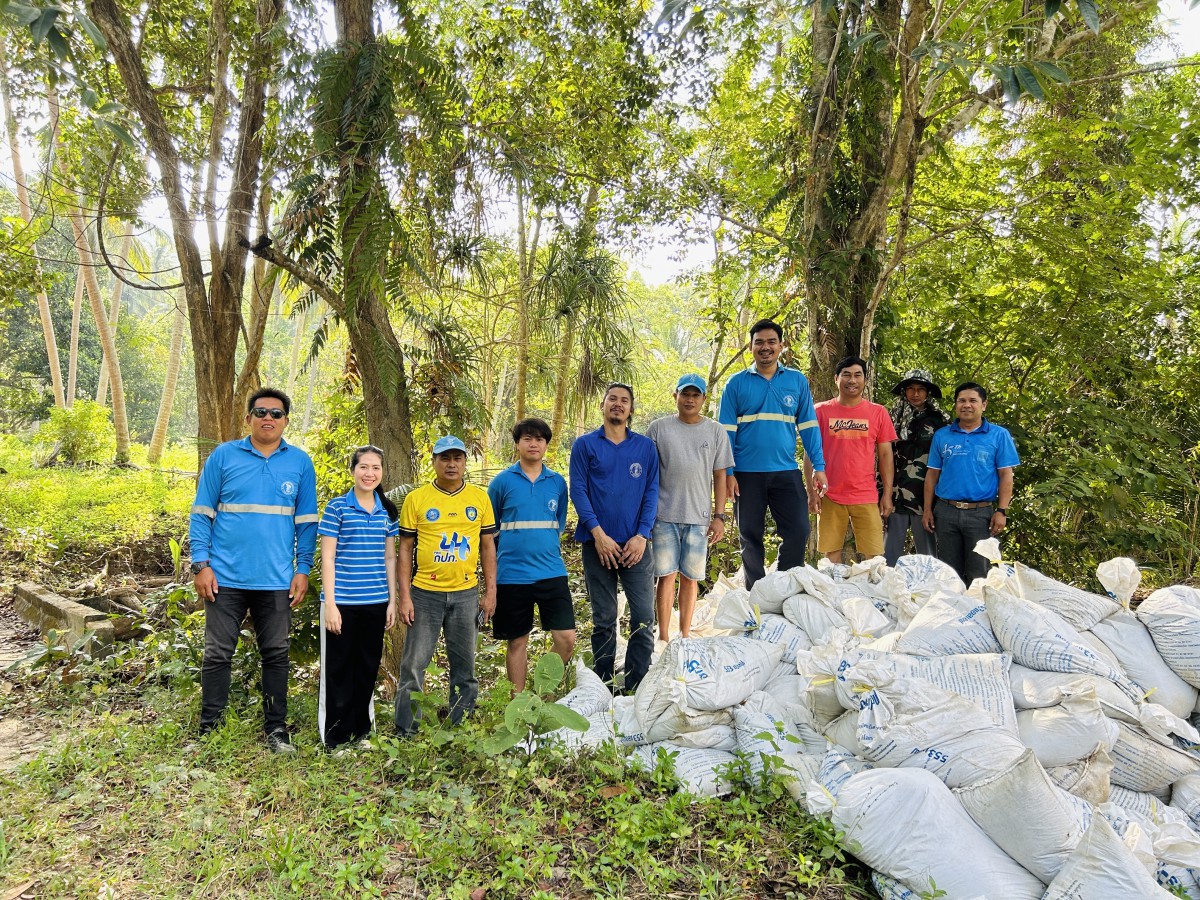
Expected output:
{"points": [[261, 412]]}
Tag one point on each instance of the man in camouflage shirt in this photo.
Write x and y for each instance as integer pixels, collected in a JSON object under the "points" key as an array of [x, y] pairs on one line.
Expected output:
{"points": [[915, 416]]}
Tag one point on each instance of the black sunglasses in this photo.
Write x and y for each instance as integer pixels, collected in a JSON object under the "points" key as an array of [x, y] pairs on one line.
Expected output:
{"points": [[261, 412]]}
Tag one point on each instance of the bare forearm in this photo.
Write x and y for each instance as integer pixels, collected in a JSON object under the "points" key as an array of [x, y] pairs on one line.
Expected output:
{"points": [[1006, 488]]}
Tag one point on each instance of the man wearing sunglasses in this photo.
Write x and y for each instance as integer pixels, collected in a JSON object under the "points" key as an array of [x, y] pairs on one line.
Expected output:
{"points": [[253, 532]]}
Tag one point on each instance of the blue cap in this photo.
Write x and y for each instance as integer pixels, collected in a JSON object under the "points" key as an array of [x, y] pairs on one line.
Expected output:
{"points": [[448, 442], [694, 381]]}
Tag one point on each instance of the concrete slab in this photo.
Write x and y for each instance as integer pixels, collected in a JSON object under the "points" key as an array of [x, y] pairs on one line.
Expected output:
{"points": [[46, 610]]}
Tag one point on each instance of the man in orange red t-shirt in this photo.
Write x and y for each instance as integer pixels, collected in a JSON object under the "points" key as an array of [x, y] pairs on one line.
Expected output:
{"points": [[855, 434]]}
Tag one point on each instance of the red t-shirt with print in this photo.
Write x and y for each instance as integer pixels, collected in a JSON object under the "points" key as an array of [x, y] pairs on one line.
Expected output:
{"points": [[849, 435]]}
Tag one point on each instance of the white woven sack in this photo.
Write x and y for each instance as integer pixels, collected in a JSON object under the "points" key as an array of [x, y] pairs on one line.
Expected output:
{"points": [[590, 695], [736, 612], [771, 590], [915, 724], [1027, 815], [1089, 779], [600, 731], [777, 630], [763, 733], [925, 576], [1072, 731], [1041, 639], [1135, 650], [700, 773], [1172, 614], [1081, 608], [906, 824], [1185, 796], [837, 767], [627, 731], [1103, 868], [1141, 763], [1032, 689], [714, 737], [949, 623], [843, 731]]}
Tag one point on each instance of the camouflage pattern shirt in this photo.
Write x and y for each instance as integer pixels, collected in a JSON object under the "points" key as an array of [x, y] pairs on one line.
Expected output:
{"points": [[915, 429]]}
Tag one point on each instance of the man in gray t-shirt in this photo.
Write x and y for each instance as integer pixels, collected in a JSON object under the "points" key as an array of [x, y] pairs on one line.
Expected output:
{"points": [[693, 454]]}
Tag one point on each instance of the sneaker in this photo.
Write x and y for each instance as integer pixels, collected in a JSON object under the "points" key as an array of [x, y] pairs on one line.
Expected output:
{"points": [[279, 742]]}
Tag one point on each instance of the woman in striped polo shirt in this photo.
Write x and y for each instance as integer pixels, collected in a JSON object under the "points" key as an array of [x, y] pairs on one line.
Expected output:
{"points": [[358, 564]]}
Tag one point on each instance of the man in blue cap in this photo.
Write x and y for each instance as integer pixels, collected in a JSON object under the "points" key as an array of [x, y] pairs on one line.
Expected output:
{"points": [[614, 487], [693, 455], [449, 527]]}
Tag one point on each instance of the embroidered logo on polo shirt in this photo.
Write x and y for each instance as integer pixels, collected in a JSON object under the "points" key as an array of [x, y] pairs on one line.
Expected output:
{"points": [[288, 488], [472, 513], [635, 470], [552, 504], [432, 515], [789, 400]]}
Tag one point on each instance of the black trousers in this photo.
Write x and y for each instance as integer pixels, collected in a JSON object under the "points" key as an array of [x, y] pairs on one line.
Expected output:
{"points": [[784, 494], [272, 615], [349, 668]]}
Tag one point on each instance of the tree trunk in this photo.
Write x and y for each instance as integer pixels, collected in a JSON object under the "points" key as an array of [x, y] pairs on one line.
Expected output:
{"points": [[297, 343], [14, 146], [76, 322], [114, 314], [158, 439], [562, 376], [526, 261]]}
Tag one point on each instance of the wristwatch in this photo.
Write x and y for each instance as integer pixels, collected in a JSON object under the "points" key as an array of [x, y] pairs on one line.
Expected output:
{"points": [[1001, 509], [198, 567], [721, 516]]}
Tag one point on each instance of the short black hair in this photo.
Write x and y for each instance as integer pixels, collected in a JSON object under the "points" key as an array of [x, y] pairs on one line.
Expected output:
{"points": [[275, 394], [848, 361], [971, 386], [534, 427], [763, 325]]}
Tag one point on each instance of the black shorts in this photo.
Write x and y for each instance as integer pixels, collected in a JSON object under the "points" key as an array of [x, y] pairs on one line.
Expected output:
{"points": [[515, 602]]}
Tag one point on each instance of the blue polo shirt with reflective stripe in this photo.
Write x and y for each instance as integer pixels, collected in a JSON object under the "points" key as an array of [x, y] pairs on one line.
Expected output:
{"points": [[360, 573], [970, 461], [255, 517], [531, 516], [763, 416]]}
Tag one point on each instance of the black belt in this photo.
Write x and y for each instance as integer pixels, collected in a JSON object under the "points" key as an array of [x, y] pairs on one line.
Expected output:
{"points": [[966, 504]]}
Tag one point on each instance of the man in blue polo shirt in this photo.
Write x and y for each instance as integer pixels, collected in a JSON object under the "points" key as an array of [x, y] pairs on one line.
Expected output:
{"points": [[530, 502], [614, 486], [763, 410], [253, 532], [970, 475]]}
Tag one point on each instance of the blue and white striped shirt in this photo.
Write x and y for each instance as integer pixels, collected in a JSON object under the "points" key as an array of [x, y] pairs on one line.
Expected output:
{"points": [[360, 568]]}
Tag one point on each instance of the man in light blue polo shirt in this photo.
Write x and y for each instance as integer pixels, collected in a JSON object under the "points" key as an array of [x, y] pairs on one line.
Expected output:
{"points": [[763, 410], [253, 532], [970, 476], [530, 502]]}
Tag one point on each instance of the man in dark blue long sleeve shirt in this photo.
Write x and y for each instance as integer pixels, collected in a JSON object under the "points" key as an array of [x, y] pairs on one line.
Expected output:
{"points": [[614, 488]]}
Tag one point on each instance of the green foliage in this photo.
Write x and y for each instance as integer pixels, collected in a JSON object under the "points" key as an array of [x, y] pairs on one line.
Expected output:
{"points": [[81, 434], [527, 715]]}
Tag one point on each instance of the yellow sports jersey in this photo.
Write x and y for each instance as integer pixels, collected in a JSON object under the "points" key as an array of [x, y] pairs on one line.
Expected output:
{"points": [[448, 529]]}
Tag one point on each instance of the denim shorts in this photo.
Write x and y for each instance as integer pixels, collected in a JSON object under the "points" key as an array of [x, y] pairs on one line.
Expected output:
{"points": [[680, 548]]}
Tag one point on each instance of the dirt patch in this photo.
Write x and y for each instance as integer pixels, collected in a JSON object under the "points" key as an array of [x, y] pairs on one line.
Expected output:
{"points": [[20, 740]]}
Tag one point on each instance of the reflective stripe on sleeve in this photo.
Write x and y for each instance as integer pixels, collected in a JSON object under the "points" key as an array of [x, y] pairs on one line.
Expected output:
{"points": [[204, 511], [263, 508], [306, 518], [729, 427], [515, 526], [808, 424]]}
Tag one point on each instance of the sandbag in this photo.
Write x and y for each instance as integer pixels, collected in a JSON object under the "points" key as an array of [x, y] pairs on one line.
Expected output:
{"points": [[910, 723], [1102, 868], [924, 576], [701, 773], [837, 767], [949, 623], [1172, 615], [590, 694], [1041, 639], [1081, 608], [737, 612], [1120, 577], [1167, 830], [1027, 815], [1064, 734], [600, 731], [906, 824], [1141, 763], [1135, 650], [766, 738], [1089, 779], [715, 737], [771, 590], [1032, 689], [1185, 796], [777, 630], [843, 731], [818, 669], [819, 617], [699, 679], [627, 730]]}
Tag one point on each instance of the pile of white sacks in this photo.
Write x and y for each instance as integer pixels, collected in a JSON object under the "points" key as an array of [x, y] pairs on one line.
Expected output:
{"points": [[1018, 739]]}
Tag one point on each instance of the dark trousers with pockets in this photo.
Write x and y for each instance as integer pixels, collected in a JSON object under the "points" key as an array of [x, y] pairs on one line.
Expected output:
{"points": [[957, 532], [784, 494], [349, 668], [272, 615], [638, 583]]}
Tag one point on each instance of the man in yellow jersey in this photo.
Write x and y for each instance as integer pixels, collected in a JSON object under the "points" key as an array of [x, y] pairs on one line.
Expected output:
{"points": [[449, 527]]}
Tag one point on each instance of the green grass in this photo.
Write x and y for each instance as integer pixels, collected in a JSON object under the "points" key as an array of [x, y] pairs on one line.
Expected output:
{"points": [[126, 796]]}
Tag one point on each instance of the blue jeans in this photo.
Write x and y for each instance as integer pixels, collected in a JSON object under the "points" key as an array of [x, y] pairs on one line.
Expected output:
{"points": [[435, 611], [784, 494], [898, 525], [958, 530], [679, 548], [638, 582], [272, 615]]}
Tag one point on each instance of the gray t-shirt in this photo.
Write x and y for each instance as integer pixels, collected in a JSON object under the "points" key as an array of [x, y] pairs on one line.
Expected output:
{"points": [[687, 456]]}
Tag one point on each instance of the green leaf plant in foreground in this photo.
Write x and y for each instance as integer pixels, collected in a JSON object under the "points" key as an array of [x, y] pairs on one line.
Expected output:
{"points": [[528, 715]]}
